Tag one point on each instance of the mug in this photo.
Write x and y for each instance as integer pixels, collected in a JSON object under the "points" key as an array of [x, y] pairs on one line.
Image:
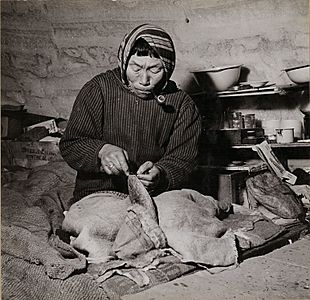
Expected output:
{"points": [[285, 135], [236, 119]]}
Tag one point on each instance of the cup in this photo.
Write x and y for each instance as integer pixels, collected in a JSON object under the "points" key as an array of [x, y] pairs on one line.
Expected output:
{"points": [[236, 119], [285, 135], [249, 121]]}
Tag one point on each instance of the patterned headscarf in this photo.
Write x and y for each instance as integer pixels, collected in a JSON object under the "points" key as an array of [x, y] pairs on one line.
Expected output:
{"points": [[157, 38]]}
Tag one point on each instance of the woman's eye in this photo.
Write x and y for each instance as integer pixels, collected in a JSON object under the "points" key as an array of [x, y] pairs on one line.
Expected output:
{"points": [[136, 69], [155, 70]]}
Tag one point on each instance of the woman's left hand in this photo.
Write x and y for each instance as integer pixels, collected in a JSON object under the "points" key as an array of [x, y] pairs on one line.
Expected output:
{"points": [[149, 175]]}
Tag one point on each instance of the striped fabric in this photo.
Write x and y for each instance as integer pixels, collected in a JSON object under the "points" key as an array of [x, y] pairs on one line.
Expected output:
{"points": [[106, 112], [157, 38]]}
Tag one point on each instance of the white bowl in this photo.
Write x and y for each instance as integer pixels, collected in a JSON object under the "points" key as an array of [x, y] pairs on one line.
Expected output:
{"points": [[221, 78], [298, 74]]}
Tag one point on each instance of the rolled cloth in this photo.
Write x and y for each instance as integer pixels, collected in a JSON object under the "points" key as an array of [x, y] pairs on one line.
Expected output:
{"points": [[157, 38]]}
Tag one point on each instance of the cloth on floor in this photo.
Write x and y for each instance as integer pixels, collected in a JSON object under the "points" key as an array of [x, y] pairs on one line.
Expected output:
{"points": [[36, 285], [134, 268], [43, 179], [31, 213], [251, 228], [25, 234], [22, 280], [268, 190], [168, 268]]}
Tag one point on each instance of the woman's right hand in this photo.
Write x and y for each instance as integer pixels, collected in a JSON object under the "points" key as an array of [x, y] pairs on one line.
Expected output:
{"points": [[113, 160]]}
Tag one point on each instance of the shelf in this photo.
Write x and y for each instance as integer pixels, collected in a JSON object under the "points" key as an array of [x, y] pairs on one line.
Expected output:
{"points": [[269, 90], [250, 167], [249, 94], [265, 90], [289, 145]]}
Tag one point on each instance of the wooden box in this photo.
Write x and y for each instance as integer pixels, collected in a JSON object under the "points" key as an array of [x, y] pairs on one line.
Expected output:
{"points": [[224, 185]]}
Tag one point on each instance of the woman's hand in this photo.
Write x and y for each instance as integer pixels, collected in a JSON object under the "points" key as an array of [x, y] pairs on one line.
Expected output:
{"points": [[149, 175], [113, 160]]}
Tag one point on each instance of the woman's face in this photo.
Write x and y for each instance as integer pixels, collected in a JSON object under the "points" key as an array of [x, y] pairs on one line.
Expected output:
{"points": [[144, 73]]}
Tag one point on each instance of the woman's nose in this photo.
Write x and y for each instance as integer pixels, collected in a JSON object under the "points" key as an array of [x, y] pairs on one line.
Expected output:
{"points": [[144, 78]]}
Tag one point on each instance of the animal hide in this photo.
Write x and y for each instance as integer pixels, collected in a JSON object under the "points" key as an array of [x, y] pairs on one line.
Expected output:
{"points": [[186, 218], [269, 191]]}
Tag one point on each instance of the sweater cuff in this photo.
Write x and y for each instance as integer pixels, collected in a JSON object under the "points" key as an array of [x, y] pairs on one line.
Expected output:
{"points": [[97, 160], [163, 181]]}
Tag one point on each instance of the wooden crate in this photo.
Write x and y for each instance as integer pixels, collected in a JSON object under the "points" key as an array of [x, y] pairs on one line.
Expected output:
{"points": [[224, 185]]}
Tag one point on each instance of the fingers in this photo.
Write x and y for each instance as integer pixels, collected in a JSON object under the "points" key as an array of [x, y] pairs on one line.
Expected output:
{"points": [[114, 165], [145, 168], [147, 184], [113, 160], [119, 162], [109, 169], [150, 178]]}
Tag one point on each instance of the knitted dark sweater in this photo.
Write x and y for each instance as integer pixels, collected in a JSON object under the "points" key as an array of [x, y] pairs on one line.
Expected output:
{"points": [[105, 111]]}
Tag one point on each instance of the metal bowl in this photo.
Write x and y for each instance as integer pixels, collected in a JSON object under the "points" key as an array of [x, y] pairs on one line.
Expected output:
{"points": [[298, 74], [221, 78]]}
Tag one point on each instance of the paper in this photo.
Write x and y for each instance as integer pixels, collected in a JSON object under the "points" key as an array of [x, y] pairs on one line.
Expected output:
{"points": [[267, 155], [50, 125]]}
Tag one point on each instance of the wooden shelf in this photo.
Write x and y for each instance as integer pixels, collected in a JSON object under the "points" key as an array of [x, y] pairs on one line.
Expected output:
{"points": [[289, 145]]}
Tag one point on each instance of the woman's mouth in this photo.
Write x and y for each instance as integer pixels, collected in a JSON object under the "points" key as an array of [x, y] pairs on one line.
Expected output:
{"points": [[144, 94], [144, 91]]}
